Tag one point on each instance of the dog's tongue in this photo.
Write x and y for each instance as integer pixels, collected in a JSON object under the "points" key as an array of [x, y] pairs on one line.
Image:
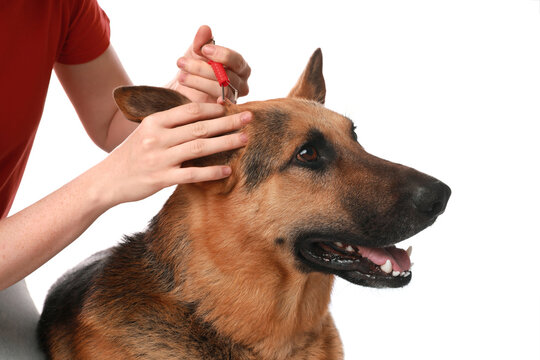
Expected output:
{"points": [[398, 257]]}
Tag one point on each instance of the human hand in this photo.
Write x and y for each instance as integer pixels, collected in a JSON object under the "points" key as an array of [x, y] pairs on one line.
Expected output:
{"points": [[150, 159], [196, 79]]}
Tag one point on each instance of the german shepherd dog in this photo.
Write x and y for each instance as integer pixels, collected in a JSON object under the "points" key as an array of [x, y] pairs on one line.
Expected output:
{"points": [[243, 268]]}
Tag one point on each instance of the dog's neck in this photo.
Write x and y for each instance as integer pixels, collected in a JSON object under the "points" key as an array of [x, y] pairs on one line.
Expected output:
{"points": [[247, 294]]}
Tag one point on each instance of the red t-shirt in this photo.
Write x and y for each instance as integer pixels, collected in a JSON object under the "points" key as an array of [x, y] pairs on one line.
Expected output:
{"points": [[34, 34]]}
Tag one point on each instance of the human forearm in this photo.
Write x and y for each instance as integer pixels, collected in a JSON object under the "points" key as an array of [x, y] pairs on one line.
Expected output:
{"points": [[34, 235]]}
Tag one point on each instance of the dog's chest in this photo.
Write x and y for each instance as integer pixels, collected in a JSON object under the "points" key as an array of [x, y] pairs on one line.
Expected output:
{"points": [[321, 344]]}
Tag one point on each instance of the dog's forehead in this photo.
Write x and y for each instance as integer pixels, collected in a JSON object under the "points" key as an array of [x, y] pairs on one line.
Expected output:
{"points": [[287, 119]]}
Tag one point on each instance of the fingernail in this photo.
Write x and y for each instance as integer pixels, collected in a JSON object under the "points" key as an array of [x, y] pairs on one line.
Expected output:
{"points": [[226, 171], [245, 118], [208, 49], [244, 138], [182, 63]]}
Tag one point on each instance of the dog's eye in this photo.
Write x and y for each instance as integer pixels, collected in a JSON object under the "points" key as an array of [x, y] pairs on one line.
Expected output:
{"points": [[308, 153]]}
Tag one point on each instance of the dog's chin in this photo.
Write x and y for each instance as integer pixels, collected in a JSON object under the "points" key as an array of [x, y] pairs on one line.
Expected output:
{"points": [[380, 267]]}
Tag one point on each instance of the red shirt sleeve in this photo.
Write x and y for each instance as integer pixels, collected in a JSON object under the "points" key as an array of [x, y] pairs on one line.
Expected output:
{"points": [[88, 33]]}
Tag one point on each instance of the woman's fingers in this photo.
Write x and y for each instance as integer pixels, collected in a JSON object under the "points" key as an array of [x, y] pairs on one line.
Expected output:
{"points": [[189, 131], [198, 74], [199, 148], [206, 128], [202, 37], [196, 79], [187, 114], [196, 67], [198, 174], [195, 82], [230, 58]]}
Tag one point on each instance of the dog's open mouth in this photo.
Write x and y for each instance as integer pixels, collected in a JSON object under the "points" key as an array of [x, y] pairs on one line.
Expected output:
{"points": [[375, 267]]}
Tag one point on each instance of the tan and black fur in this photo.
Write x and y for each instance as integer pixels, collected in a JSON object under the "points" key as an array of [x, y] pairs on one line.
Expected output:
{"points": [[217, 274]]}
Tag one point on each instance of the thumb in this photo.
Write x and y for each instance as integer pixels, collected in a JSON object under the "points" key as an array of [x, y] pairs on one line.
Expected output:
{"points": [[203, 36]]}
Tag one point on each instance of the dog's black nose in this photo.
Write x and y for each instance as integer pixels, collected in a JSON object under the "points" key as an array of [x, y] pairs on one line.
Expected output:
{"points": [[430, 198]]}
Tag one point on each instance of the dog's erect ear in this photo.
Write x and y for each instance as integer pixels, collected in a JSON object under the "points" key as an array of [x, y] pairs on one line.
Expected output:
{"points": [[137, 102], [311, 83]]}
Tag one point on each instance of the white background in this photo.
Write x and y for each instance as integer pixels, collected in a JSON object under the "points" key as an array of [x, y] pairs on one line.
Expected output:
{"points": [[451, 88]]}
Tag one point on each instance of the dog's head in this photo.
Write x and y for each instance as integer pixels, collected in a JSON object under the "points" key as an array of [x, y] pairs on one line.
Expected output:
{"points": [[304, 192]]}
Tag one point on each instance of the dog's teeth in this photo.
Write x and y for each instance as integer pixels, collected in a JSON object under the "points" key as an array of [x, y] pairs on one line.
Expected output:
{"points": [[407, 273], [339, 244], [409, 251], [395, 273], [387, 267], [349, 248]]}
